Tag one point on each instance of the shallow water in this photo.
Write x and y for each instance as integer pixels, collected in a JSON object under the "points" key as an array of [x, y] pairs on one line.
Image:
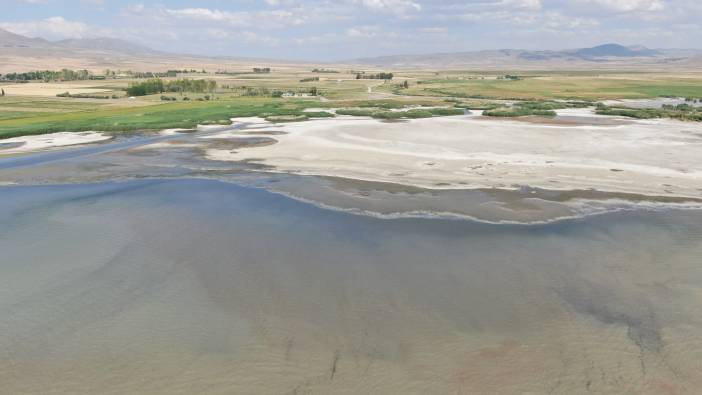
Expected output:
{"points": [[126, 269], [200, 286]]}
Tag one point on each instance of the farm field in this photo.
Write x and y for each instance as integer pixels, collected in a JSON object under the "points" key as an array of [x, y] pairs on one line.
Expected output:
{"points": [[34, 108], [545, 86]]}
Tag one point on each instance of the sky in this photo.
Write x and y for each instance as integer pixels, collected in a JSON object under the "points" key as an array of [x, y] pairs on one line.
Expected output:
{"points": [[346, 29]]}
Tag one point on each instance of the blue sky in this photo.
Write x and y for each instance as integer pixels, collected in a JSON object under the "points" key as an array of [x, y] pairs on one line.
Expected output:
{"points": [[343, 29]]}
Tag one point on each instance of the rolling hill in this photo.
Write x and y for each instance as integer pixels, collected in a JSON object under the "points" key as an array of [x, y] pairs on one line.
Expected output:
{"points": [[20, 53], [614, 55]]}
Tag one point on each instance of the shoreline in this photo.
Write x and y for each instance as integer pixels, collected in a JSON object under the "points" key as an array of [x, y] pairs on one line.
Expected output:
{"points": [[576, 205], [461, 167]]}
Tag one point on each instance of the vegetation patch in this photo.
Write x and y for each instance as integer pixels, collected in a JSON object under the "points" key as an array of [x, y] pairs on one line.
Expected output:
{"points": [[571, 86], [182, 115], [446, 111], [388, 105], [518, 112], [538, 108], [287, 118], [378, 76], [157, 85], [552, 105], [319, 114], [380, 113], [683, 112]]}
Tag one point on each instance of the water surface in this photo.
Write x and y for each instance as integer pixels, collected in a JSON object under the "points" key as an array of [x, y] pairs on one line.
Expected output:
{"points": [[201, 286]]}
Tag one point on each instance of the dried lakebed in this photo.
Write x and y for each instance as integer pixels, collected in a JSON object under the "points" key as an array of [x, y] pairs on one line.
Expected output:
{"points": [[651, 157]]}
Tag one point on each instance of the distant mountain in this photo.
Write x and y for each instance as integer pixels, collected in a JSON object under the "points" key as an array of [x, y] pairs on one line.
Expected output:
{"points": [[102, 44], [9, 40], [19, 53], [105, 44], [612, 54], [615, 50]]}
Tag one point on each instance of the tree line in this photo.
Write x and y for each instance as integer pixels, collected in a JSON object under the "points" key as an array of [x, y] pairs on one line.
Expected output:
{"points": [[50, 75], [157, 85], [82, 75], [379, 76]]}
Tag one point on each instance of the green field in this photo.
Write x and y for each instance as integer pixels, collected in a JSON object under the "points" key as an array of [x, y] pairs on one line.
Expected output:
{"points": [[23, 114], [161, 116], [574, 87]]}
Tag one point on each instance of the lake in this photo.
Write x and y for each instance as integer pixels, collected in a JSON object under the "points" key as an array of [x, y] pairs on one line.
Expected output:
{"points": [[125, 270]]}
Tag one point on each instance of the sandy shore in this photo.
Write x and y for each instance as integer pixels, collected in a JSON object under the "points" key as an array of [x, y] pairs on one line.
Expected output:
{"points": [[648, 157], [25, 144]]}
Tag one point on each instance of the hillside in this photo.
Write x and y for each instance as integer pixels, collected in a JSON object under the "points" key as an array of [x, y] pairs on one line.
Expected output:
{"points": [[607, 55], [20, 54]]}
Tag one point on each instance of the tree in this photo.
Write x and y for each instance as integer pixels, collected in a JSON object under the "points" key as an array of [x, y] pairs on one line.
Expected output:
{"points": [[211, 86], [147, 87]]}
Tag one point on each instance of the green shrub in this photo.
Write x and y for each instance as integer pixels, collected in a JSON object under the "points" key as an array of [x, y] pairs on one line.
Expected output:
{"points": [[446, 111], [286, 118], [319, 114], [518, 112], [356, 112]]}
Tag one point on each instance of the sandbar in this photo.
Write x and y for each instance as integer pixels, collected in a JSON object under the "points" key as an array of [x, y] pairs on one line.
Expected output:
{"points": [[25, 144]]}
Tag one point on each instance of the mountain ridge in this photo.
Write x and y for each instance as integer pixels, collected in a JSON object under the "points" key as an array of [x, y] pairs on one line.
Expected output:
{"points": [[600, 54], [9, 39], [21, 53]]}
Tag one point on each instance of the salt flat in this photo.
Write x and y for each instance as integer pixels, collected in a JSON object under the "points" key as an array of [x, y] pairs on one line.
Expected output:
{"points": [[649, 157], [25, 144]]}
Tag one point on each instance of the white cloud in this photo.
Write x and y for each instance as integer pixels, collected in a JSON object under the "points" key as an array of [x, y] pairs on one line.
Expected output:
{"points": [[93, 3], [135, 8], [56, 27], [204, 14], [320, 39], [393, 6], [320, 28], [522, 4], [269, 19], [433, 30], [629, 5], [362, 32], [254, 38]]}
